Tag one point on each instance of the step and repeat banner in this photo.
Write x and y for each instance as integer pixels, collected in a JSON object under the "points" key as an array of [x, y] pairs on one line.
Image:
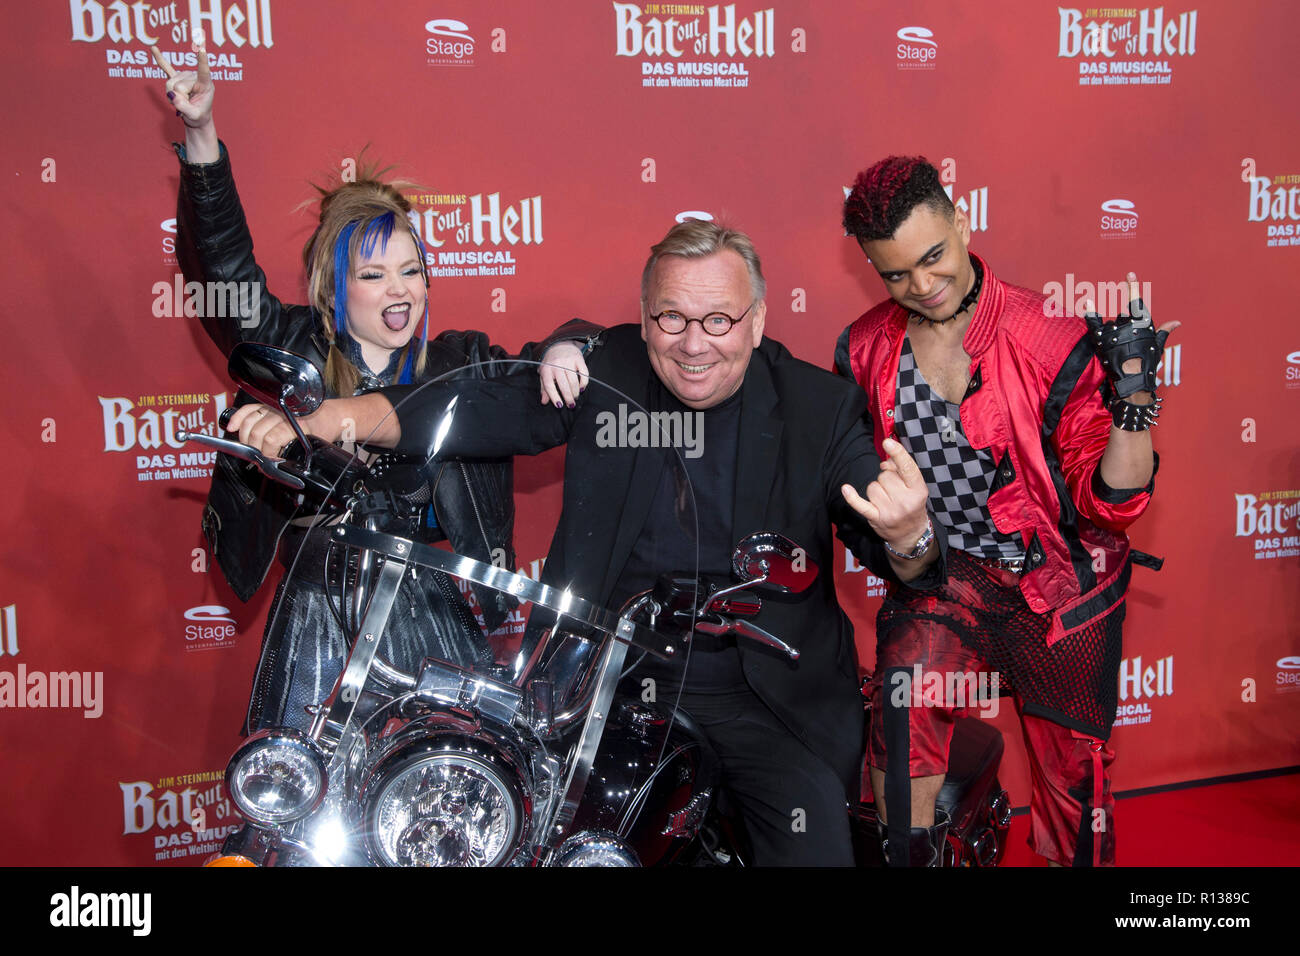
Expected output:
{"points": [[554, 142]]}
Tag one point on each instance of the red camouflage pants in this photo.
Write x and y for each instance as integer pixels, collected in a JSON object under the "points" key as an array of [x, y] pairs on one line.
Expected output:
{"points": [[1064, 764]]}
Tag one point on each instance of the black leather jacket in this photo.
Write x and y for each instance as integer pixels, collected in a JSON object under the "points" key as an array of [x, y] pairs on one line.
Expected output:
{"points": [[245, 512]]}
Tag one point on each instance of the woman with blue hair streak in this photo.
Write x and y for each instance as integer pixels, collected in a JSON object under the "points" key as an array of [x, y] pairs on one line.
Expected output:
{"points": [[367, 326]]}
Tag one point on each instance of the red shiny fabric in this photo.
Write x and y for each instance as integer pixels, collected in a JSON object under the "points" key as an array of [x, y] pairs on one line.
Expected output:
{"points": [[1068, 769], [1022, 359]]}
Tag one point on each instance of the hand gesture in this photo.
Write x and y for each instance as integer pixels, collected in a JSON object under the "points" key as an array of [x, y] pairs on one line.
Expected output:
{"points": [[1127, 348], [895, 501], [190, 92], [563, 374]]}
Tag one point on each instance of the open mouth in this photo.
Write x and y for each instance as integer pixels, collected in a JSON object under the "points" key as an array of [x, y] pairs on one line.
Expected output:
{"points": [[397, 317]]}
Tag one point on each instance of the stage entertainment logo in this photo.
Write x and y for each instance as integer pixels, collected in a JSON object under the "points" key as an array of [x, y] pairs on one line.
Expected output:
{"points": [[1276, 201], [1119, 219], [131, 30], [1271, 519], [1293, 370], [693, 44], [149, 425], [476, 235], [1140, 687], [1125, 46], [448, 43], [917, 49], [187, 815], [211, 627], [168, 241], [1287, 679]]}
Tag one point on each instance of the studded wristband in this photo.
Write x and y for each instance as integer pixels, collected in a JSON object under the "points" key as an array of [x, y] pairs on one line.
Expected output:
{"points": [[1134, 418]]}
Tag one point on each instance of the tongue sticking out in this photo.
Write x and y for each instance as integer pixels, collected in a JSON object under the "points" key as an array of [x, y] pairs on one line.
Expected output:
{"points": [[396, 319]]}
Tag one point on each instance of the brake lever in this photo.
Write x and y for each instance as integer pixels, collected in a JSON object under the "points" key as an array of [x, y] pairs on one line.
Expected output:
{"points": [[744, 629], [267, 466], [754, 632]]}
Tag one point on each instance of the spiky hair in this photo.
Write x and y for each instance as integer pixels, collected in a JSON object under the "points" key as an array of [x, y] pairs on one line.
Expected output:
{"points": [[884, 195]]}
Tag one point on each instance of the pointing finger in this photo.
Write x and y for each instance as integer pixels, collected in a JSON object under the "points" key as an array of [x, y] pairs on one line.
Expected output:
{"points": [[200, 47], [908, 469], [161, 59], [1136, 307]]}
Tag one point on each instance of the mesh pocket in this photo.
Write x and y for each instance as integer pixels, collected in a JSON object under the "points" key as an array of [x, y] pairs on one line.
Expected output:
{"points": [[1074, 682]]}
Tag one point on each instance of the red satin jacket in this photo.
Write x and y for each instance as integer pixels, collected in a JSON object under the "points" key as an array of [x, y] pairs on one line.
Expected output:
{"points": [[1035, 402]]}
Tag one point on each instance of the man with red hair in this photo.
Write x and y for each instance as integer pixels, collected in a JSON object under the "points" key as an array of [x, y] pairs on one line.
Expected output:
{"points": [[1033, 435]]}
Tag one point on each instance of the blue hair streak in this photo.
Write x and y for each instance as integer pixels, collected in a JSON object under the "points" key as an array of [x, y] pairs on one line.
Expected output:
{"points": [[342, 267], [378, 231]]}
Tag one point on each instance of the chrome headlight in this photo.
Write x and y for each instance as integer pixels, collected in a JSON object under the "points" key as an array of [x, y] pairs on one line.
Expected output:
{"points": [[595, 848], [277, 776], [443, 804]]}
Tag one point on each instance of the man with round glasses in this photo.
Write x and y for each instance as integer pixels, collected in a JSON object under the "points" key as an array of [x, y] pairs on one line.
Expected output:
{"points": [[783, 449]]}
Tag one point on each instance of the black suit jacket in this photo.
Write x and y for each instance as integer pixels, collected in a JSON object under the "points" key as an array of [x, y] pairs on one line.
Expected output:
{"points": [[801, 436]]}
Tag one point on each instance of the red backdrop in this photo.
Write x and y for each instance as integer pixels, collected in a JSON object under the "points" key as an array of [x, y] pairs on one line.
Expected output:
{"points": [[1086, 142]]}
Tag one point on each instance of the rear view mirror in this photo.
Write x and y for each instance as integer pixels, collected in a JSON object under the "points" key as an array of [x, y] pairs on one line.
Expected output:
{"points": [[773, 561], [276, 377]]}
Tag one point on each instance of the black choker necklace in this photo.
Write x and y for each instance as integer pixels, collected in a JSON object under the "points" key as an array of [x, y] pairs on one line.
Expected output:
{"points": [[971, 297]]}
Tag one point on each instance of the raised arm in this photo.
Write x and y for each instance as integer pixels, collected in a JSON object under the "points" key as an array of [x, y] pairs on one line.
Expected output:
{"points": [[213, 244]]}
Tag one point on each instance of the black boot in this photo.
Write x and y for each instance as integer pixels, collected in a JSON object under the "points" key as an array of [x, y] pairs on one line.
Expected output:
{"points": [[924, 845]]}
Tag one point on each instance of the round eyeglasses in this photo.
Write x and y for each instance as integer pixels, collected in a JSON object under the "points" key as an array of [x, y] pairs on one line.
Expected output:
{"points": [[715, 323]]}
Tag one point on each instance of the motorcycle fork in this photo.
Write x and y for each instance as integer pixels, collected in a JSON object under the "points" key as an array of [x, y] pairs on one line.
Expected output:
{"points": [[593, 728], [333, 726]]}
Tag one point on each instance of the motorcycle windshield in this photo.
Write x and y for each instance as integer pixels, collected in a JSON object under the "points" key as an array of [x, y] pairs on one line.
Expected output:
{"points": [[516, 592]]}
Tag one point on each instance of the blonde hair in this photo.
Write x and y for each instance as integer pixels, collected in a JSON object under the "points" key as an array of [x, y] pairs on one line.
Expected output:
{"points": [[697, 239], [360, 204]]}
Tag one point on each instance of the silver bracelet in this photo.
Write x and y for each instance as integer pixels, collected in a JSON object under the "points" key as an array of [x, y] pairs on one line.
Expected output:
{"points": [[922, 544]]}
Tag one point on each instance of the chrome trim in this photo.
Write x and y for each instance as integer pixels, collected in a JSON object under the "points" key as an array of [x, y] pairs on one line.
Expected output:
{"points": [[445, 735], [686, 821], [594, 840], [562, 602], [584, 752], [749, 562], [1000, 809], [272, 374], [273, 737], [266, 465], [743, 628], [333, 726], [449, 686]]}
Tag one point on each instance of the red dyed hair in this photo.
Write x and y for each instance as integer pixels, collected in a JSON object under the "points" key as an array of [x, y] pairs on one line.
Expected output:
{"points": [[885, 194]]}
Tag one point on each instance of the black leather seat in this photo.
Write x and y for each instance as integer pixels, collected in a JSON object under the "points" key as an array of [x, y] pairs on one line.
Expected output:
{"points": [[972, 766]]}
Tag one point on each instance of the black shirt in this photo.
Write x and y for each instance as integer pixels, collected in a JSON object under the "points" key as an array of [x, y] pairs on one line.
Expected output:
{"points": [[681, 534]]}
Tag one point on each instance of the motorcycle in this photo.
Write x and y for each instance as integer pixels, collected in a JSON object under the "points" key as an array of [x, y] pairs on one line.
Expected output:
{"points": [[533, 755], [530, 758]]}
